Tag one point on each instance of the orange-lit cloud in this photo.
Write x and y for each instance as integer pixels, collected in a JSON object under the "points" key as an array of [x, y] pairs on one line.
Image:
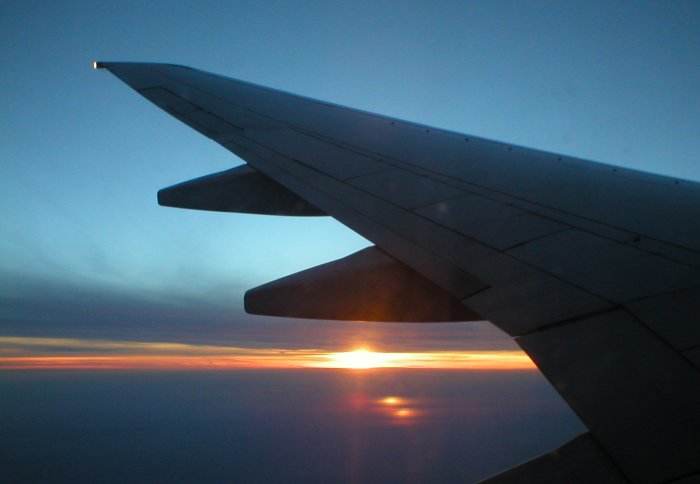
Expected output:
{"points": [[64, 353]]}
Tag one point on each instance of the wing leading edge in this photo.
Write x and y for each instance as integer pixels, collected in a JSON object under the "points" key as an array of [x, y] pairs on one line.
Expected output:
{"points": [[594, 269]]}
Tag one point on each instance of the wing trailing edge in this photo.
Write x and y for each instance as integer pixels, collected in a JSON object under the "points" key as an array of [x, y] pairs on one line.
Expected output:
{"points": [[579, 460]]}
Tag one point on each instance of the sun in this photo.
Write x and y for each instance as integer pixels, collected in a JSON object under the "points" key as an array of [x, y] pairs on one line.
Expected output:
{"points": [[360, 359]]}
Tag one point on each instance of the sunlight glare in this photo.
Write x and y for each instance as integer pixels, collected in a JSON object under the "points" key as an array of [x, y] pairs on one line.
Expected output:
{"points": [[360, 359]]}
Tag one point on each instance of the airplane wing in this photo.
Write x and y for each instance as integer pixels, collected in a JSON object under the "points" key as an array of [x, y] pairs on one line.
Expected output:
{"points": [[593, 269]]}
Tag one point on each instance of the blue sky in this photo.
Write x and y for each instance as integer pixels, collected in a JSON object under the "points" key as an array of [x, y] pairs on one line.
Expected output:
{"points": [[83, 155]]}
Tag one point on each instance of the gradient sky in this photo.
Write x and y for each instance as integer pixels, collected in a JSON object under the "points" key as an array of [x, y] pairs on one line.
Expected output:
{"points": [[87, 253], [83, 155]]}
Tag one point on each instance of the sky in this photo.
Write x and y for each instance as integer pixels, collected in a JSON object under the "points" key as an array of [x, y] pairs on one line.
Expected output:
{"points": [[91, 267]]}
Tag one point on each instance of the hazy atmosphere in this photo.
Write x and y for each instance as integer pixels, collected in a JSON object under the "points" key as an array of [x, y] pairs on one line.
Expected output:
{"points": [[124, 348]]}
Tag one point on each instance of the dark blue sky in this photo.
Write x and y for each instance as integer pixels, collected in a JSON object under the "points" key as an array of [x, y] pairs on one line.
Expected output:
{"points": [[86, 252]]}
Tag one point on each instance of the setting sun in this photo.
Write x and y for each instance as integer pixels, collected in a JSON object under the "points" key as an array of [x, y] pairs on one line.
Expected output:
{"points": [[360, 359]]}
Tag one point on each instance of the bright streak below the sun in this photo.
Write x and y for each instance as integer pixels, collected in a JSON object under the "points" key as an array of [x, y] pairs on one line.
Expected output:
{"points": [[62, 353]]}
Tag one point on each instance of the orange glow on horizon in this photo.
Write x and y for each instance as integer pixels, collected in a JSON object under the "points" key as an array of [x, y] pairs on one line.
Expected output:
{"points": [[364, 359], [65, 353]]}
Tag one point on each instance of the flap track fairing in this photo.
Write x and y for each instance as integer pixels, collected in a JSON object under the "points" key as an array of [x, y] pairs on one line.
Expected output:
{"points": [[368, 285], [241, 189]]}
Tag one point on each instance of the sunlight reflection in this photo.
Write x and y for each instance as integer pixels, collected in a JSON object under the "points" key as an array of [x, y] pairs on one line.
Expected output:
{"points": [[398, 410]]}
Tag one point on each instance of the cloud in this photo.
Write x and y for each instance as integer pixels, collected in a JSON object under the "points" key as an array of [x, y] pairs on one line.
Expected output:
{"points": [[44, 308]]}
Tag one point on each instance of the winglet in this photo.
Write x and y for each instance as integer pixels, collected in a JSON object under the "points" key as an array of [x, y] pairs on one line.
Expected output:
{"points": [[98, 65]]}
